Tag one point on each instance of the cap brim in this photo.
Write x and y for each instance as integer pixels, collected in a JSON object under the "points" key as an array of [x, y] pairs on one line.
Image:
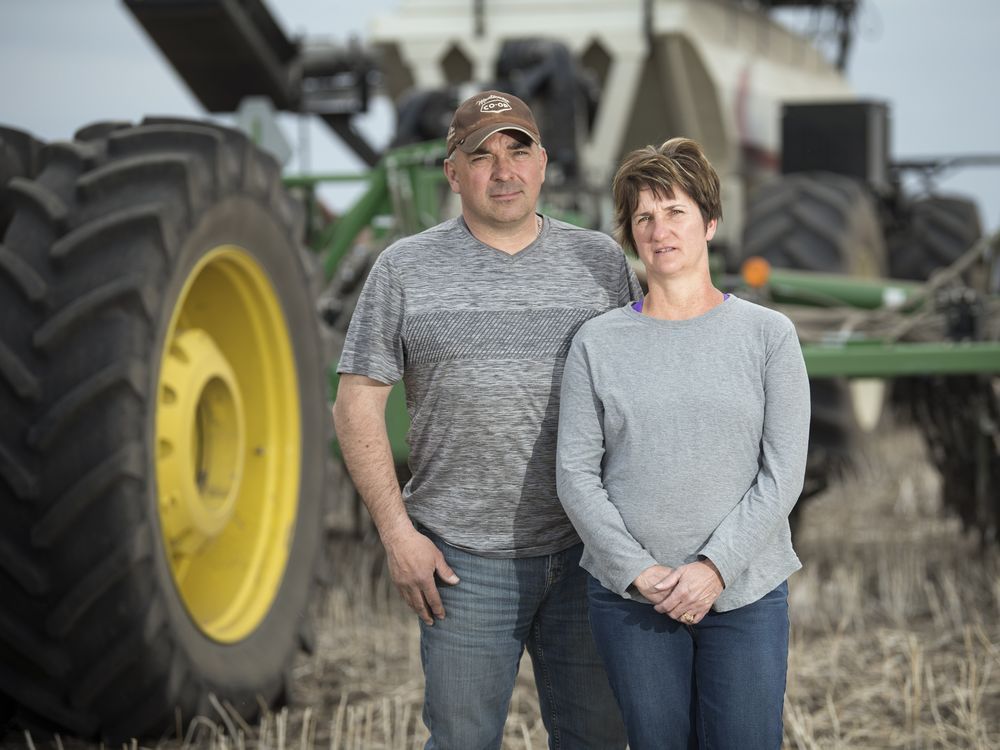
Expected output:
{"points": [[475, 139]]}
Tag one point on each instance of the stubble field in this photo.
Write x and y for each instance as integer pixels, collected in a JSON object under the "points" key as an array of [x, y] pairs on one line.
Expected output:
{"points": [[895, 638]]}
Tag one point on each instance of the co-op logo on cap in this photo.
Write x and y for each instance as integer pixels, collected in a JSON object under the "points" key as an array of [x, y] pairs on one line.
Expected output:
{"points": [[494, 103]]}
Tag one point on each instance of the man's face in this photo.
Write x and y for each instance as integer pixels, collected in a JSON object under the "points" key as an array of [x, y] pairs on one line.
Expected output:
{"points": [[499, 183]]}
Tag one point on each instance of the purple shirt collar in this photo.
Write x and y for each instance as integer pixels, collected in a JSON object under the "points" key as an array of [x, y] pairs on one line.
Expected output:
{"points": [[637, 306]]}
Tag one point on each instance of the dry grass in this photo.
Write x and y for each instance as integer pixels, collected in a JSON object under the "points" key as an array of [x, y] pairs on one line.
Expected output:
{"points": [[896, 616], [895, 635]]}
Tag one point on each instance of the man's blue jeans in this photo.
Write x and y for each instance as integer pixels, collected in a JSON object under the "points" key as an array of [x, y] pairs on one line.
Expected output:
{"points": [[719, 684], [501, 607]]}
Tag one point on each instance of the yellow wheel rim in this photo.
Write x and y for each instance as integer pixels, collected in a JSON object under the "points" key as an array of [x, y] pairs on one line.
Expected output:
{"points": [[228, 444]]}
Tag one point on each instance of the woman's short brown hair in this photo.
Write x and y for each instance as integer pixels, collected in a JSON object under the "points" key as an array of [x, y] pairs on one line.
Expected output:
{"points": [[679, 162]]}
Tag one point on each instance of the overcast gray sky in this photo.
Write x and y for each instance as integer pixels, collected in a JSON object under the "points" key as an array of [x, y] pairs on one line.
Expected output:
{"points": [[64, 63]]}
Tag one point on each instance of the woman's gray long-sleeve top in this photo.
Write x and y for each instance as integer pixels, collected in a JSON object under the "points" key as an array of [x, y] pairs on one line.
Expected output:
{"points": [[680, 439]]}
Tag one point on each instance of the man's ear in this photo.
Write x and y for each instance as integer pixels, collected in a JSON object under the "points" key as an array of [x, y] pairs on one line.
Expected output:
{"points": [[451, 175]]}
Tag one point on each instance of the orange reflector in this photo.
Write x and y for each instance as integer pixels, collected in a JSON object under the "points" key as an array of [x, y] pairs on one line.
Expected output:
{"points": [[755, 271]]}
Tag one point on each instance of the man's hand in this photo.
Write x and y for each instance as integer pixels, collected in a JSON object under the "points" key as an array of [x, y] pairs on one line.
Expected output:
{"points": [[413, 561], [692, 590], [647, 582]]}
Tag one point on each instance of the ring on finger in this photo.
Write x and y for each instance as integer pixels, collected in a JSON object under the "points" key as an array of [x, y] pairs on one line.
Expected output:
{"points": [[688, 618]]}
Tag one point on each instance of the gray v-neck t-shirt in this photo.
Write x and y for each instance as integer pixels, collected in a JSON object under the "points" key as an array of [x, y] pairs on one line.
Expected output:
{"points": [[680, 439], [479, 337]]}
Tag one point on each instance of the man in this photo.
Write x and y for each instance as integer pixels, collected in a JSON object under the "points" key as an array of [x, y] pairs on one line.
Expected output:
{"points": [[476, 316]]}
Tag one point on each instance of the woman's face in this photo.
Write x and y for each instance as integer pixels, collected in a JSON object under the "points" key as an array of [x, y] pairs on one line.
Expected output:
{"points": [[670, 234]]}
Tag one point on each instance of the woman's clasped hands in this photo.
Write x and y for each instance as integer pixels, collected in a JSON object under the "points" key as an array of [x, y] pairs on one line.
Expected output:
{"points": [[685, 593]]}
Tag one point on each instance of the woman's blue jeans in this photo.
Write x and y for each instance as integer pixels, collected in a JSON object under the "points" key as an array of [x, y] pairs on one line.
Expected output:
{"points": [[470, 659], [717, 685]]}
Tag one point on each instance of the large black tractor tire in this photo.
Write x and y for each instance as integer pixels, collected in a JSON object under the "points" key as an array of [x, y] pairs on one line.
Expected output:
{"points": [[932, 233], [827, 223], [959, 416], [423, 115], [19, 157], [935, 231], [163, 444]]}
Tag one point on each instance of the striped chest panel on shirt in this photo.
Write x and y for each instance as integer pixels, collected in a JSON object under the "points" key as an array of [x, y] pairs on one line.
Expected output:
{"points": [[461, 335]]}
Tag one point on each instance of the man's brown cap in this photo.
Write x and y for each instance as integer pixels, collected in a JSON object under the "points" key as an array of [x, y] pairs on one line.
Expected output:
{"points": [[486, 113]]}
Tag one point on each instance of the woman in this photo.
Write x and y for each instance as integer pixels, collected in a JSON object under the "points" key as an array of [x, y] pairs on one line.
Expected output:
{"points": [[682, 445]]}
